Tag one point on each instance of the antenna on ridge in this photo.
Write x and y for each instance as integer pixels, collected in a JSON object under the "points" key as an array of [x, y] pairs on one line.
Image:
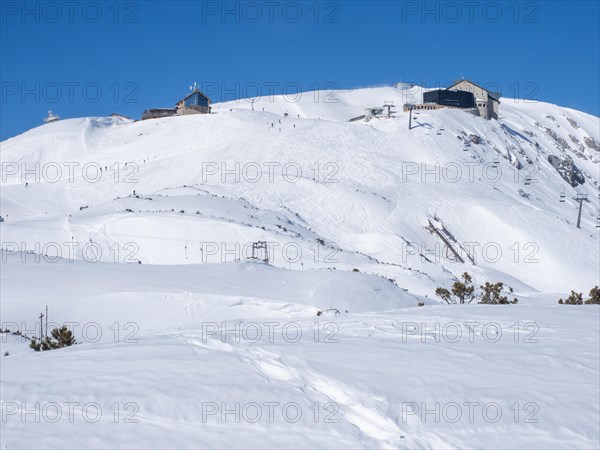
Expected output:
{"points": [[194, 87]]}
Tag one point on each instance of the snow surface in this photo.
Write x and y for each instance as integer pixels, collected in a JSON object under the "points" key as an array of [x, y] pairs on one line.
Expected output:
{"points": [[358, 217]]}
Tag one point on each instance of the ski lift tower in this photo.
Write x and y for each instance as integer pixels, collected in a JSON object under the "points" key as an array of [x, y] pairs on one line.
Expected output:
{"points": [[391, 109], [51, 117], [256, 252], [252, 101], [580, 198], [410, 107]]}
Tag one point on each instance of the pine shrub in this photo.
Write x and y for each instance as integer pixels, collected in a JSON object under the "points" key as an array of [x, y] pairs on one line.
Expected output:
{"points": [[60, 337]]}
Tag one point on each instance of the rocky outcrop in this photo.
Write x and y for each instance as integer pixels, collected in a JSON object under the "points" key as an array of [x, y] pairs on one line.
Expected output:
{"points": [[567, 170], [592, 143]]}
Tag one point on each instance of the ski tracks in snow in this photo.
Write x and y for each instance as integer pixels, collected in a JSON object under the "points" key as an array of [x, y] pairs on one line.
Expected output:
{"points": [[352, 405]]}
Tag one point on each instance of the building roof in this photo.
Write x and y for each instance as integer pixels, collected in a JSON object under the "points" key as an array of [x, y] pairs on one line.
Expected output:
{"points": [[195, 91], [493, 95]]}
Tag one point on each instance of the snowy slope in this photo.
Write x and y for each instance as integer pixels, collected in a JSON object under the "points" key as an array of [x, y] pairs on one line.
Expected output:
{"points": [[358, 216], [377, 186]]}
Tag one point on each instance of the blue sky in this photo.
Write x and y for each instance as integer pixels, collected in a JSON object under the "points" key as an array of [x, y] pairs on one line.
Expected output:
{"points": [[96, 58]]}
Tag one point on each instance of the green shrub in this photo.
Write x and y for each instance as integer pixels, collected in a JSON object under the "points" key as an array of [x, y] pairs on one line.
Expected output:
{"points": [[60, 337], [594, 296], [576, 298], [462, 292], [492, 294]]}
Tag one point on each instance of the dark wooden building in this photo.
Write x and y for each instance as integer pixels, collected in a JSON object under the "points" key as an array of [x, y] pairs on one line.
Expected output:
{"points": [[444, 97], [194, 103]]}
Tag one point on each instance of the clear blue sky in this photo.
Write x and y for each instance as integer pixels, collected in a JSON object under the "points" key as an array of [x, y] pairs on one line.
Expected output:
{"points": [[146, 54]]}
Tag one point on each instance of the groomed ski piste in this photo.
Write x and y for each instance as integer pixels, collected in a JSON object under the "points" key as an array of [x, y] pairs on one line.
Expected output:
{"points": [[339, 341]]}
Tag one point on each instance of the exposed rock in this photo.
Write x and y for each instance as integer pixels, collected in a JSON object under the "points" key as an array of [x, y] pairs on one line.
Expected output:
{"points": [[524, 194], [567, 170], [559, 141], [592, 143], [572, 122], [581, 147], [475, 139]]}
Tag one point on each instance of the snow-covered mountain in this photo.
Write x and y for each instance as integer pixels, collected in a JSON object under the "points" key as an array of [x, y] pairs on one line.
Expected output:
{"points": [[152, 223], [371, 189]]}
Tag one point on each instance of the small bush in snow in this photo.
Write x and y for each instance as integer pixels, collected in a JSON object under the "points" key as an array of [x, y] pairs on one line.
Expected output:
{"points": [[492, 294], [462, 292], [594, 296], [60, 337], [576, 298]]}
